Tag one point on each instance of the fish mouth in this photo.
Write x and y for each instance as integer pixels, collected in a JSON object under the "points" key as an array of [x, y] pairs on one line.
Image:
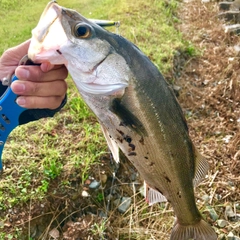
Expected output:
{"points": [[52, 12], [41, 48]]}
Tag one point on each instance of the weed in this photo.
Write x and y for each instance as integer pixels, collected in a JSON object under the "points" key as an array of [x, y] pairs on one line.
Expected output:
{"points": [[52, 169], [190, 49], [44, 187], [100, 197], [98, 229]]}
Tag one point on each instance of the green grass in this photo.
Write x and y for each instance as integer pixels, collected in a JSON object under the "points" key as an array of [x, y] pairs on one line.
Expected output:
{"points": [[149, 24], [38, 153]]}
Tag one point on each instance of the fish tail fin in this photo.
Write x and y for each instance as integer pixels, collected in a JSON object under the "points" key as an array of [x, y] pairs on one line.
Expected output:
{"points": [[199, 231]]}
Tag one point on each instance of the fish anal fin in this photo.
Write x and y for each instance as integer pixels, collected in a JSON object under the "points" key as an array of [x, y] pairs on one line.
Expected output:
{"points": [[153, 196], [198, 231], [201, 168], [112, 145]]}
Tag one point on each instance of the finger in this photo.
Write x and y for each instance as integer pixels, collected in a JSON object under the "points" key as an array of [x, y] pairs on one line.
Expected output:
{"points": [[40, 89], [31, 102], [11, 57], [46, 66], [34, 73], [20, 50]]}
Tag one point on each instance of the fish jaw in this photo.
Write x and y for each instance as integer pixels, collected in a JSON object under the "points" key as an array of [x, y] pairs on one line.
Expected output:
{"points": [[42, 48]]}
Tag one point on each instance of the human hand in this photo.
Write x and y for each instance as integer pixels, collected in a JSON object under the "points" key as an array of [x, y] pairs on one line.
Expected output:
{"points": [[38, 86]]}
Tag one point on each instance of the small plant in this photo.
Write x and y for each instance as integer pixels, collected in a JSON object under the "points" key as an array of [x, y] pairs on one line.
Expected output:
{"points": [[100, 197], [52, 169], [98, 229], [44, 186], [190, 49]]}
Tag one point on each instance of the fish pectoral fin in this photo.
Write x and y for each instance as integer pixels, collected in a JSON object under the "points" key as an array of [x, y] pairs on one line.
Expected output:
{"points": [[112, 145], [198, 231], [201, 168], [153, 196]]}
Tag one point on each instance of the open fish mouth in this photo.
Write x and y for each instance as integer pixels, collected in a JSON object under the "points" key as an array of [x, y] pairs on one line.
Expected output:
{"points": [[50, 27], [47, 29]]}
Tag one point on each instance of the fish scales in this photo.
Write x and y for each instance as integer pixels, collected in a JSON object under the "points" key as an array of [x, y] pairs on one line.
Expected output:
{"points": [[159, 96], [136, 109]]}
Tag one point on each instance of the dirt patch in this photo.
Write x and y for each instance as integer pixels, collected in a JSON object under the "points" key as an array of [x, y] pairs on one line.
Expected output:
{"points": [[211, 100], [210, 96]]}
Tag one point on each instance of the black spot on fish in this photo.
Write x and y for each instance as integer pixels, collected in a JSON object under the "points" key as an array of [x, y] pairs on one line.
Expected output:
{"points": [[146, 157], [128, 139], [120, 140], [121, 124], [168, 180], [132, 146], [127, 118], [122, 133], [151, 164], [159, 190], [132, 154], [141, 141], [125, 137], [179, 194]]}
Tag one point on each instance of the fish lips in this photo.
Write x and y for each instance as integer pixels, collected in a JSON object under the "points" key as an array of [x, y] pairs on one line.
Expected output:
{"points": [[41, 48]]}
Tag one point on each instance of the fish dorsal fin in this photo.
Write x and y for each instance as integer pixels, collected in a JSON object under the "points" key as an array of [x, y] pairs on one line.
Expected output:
{"points": [[153, 196], [201, 168], [113, 147]]}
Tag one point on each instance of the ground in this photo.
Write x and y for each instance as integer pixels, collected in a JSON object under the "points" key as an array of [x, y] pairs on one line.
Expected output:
{"points": [[209, 96]]}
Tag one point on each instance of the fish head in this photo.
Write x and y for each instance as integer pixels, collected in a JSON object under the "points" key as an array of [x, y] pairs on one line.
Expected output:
{"points": [[63, 36]]}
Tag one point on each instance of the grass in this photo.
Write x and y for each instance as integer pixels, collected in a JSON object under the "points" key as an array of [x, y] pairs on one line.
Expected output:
{"points": [[71, 143]]}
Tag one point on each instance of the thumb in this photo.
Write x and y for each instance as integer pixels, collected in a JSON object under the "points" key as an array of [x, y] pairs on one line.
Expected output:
{"points": [[21, 49], [12, 56]]}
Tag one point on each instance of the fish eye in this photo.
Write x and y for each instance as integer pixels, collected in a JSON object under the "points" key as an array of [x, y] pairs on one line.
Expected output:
{"points": [[82, 30]]}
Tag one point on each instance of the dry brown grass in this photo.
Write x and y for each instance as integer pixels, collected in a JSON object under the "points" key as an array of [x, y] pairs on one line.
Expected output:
{"points": [[210, 97]]}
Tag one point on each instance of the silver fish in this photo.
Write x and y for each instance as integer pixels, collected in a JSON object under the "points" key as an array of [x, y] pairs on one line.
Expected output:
{"points": [[137, 110]]}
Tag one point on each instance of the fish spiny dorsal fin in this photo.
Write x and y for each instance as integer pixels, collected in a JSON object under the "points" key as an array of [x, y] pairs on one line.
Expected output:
{"points": [[112, 145], [153, 196], [201, 168]]}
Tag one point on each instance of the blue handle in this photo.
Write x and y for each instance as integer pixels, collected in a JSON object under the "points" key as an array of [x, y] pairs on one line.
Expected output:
{"points": [[9, 116]]}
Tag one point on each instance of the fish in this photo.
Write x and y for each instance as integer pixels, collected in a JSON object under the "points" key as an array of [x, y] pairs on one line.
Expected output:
{"points": [[137, 110]]}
